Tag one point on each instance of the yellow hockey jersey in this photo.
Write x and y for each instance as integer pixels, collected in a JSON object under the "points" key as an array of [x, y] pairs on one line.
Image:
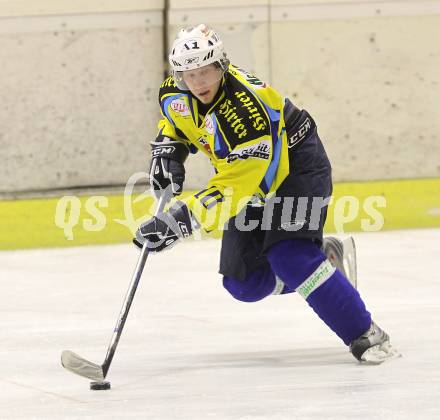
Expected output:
{"points": [[242, 133]]}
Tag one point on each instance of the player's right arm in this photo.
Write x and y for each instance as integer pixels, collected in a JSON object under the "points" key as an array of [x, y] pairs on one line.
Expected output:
{"points": [[169, 150], [168, 155]]}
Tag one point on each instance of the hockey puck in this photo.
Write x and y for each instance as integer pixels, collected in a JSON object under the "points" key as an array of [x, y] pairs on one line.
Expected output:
{"points": [[100, 386]]}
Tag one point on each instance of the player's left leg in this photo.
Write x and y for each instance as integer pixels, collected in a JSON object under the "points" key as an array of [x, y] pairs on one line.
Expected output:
{"points": [[256, 286], [302, 266]]}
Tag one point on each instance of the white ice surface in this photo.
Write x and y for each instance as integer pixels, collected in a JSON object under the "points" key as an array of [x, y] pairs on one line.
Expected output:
{"points": [[189, 351]]}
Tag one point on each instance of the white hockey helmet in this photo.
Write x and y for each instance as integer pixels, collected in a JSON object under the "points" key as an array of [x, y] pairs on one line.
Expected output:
{"points": [[195, 47]]}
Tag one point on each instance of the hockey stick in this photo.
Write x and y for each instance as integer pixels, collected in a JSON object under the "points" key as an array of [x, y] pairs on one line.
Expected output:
{"points": [[77, 364]]}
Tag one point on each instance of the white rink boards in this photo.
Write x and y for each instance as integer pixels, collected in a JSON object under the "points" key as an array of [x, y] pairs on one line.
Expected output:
{"points": [[189, 351]]}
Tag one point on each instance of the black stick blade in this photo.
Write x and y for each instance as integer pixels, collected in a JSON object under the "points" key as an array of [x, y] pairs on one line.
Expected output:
{"points": [[82, 367]]}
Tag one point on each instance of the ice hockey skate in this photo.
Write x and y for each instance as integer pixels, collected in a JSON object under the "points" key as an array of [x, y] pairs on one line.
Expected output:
{"points": [[373, 347], [342, 255]]}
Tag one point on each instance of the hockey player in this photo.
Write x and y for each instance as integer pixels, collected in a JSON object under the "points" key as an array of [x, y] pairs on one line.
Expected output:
{"points": [[270, 190]]}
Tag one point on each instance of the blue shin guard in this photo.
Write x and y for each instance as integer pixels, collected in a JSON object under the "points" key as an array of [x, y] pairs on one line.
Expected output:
{"points": [[302, 266]]}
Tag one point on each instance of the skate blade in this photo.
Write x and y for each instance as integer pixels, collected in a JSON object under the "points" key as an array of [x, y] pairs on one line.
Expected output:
{"points": [[349, 260], [379, 353]]}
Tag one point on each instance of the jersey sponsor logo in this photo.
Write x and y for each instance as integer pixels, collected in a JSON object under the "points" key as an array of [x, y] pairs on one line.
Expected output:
{"points": [[168, 82], [209, 125], [227, 110], [260, 150], [258, 121], [238, 123], [250, 78], [179, 106], [205, 144], [301, 133]]}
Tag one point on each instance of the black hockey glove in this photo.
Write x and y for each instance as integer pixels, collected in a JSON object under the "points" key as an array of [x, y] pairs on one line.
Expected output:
{"points": [[166, 168], [165, 229]]}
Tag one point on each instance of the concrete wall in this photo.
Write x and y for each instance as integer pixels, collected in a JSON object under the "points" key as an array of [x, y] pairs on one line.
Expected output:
{"points": [[369, 74], [79, 82], [79, 92]]}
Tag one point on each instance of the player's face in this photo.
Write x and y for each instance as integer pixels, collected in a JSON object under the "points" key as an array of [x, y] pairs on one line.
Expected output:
{"points": [[203, 82]]}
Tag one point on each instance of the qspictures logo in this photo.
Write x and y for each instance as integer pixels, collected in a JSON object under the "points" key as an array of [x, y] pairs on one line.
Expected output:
{"points": [[90, 214], [75, 214], [260, 150], [258, 121]]}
